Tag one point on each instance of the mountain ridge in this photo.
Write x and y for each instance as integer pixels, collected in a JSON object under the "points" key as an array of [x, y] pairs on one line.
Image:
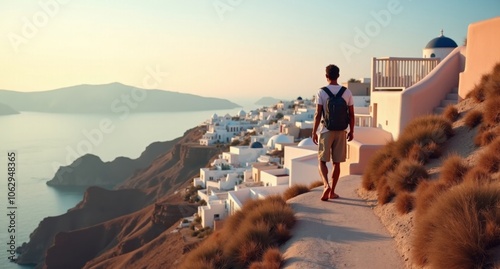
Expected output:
{"points": [[110, 98]]}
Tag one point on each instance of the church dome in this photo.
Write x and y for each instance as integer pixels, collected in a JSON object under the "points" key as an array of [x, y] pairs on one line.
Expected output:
{"points": [[278, 139], [242, 113], [256, 145], [306, 142], [441, 42]]}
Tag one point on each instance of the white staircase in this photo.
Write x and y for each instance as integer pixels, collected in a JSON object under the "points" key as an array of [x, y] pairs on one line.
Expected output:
{"points": [[450, 99]]}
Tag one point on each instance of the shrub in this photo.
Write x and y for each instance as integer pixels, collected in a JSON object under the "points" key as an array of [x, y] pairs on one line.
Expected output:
{"points": [[425, 194], [492, 85], [423, 130], [295, 190], [433, 150], [453, 170], [384, 192], [478, 92], [272, 260], [489, 160], [406, 176], [246, 235], [451, 113], [486, 135], [418, 153], [477, 175], [405, 202], [380, 163], [491, 114], [316, 184], [460, 228], [473, 118]]}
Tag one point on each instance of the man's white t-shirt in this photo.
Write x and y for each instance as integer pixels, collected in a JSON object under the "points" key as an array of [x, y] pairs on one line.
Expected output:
{"points": [[322, 97]]}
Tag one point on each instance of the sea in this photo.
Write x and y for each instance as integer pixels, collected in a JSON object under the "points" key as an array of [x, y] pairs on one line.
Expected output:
{"points": [[33, 145]]}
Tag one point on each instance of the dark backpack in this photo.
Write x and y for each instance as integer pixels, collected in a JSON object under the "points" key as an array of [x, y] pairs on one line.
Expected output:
{"points": [[336, 111]]}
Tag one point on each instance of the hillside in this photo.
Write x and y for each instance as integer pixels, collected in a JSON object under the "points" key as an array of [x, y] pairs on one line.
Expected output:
{"points": [[90, 170], [113, 98], [7, 110], [463, 161], [118, 214], [267, 101]]}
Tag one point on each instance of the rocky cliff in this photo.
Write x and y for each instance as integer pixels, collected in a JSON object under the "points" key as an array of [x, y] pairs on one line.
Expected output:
{"points": [[114, 243], [110, 223], [90, 170], [98, 205]]}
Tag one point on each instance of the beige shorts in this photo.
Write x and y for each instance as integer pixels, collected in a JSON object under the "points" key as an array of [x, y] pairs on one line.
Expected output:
{"points": [[332, 144]]}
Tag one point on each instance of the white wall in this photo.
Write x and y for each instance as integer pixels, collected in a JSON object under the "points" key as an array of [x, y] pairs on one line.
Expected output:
{"points": [[483, 43], [396, 109], [212, 208], [274, 177]]}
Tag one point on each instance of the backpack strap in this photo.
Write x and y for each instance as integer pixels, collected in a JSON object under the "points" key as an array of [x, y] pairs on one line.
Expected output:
{"points": [[330, 94], [341, 91]]}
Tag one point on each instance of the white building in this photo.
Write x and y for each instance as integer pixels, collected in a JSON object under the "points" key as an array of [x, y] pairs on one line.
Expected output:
{"points": [[222, 129]]}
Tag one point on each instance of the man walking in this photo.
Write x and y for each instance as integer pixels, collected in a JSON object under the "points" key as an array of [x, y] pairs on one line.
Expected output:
{"points": [[332, 143]]}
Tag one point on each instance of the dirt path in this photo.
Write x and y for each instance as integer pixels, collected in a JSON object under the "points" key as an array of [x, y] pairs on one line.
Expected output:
{"points": [[340, 233]]}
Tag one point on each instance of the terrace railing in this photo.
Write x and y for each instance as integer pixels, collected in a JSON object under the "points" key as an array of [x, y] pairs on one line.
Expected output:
{"points": [[396, 73]]}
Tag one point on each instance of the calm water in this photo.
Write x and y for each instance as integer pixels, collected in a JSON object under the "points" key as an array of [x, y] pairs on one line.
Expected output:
{"points": [[43, 141]]}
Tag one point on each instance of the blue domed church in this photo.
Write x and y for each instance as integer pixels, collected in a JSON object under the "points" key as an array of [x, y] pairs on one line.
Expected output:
{"points": [[439, 47]]}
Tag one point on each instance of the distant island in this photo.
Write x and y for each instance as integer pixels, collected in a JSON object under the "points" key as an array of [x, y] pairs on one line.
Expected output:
{"points": [[7, 110], [109, 98], [267, 101]]}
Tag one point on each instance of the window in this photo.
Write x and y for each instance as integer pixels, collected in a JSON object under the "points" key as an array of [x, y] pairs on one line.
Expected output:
{"points": [[433, 55], [216, 217]]}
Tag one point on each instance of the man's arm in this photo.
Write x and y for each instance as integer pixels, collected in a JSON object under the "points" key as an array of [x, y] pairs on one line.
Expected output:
{"points": [[317, 119], [350, 135]]}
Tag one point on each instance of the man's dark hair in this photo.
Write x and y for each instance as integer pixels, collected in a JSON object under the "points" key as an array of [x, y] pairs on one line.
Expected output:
{"points": [[332, 71]]}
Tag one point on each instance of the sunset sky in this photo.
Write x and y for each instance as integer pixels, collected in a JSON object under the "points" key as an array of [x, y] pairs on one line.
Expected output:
{"points": [[231, 49]]}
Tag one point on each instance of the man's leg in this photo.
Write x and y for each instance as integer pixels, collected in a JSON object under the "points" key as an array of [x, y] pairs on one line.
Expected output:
{"points": [[323, 172], [335, 179]]}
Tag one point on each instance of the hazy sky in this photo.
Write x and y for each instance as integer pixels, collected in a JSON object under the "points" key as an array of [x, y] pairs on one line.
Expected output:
{"points": [[232, 49]]}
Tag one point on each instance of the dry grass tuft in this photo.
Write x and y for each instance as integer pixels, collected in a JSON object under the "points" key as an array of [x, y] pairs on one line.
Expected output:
{"points": [[478, 92], [460, 227], [385, 194], [295, 190], [405, 202], [406, 176], [418, 153], [272, 260], [382, 162], [486, 135], [492, 85], [453, 170], [424, 131], [477, 175], [473, 118], [489, 160], [491, 114], [425, 194], [246, 236], [316, 184], [450, 113]]}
